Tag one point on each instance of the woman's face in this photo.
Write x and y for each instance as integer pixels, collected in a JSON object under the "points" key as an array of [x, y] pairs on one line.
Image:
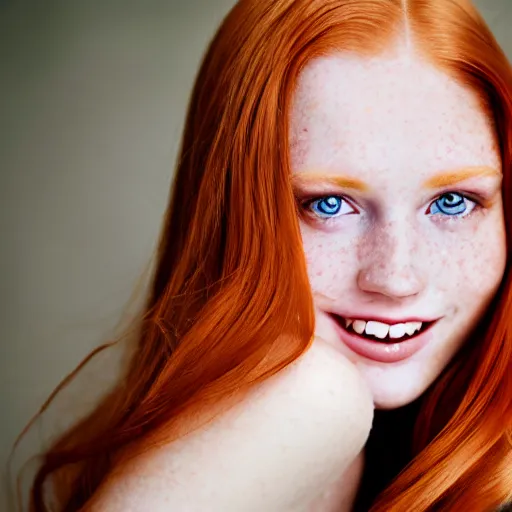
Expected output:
{"points": [[398, 176]]}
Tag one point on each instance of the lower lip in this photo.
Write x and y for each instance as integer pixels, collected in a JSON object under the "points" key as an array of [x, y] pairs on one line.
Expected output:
{"points": [[381, 351]]}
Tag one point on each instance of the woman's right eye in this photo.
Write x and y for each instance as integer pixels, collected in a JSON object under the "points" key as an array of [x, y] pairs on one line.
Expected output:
{"points": [[328, 207]]}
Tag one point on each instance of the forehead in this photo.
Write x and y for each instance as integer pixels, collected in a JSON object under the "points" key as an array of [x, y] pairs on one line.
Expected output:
{"points": [[363, 115]]}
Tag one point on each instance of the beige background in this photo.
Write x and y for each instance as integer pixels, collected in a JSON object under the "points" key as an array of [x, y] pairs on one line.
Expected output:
{"points": [[93, 98]]}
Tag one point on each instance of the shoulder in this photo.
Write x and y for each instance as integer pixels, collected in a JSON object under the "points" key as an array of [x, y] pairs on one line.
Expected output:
{"points": [[286, 443]]}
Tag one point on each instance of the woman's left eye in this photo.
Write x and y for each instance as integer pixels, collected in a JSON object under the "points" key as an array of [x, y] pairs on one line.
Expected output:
{"points": [[328, 207], [452, 204]]}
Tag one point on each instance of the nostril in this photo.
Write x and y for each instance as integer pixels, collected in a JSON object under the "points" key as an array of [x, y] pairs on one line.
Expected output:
{"points": [[397, 285]]}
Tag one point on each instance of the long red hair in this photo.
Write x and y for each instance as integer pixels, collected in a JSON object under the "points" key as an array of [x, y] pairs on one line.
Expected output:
{"points": [[231, 279]]}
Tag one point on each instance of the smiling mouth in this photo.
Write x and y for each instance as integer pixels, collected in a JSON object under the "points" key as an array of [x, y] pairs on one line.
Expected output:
{"points": [[381, 332]]}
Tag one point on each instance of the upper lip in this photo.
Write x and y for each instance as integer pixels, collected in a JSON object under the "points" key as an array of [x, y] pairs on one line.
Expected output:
{"points": [[385, 319]]}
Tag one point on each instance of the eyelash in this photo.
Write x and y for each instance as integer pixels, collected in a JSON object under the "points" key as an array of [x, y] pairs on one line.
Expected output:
{"points": [[307, 203]]}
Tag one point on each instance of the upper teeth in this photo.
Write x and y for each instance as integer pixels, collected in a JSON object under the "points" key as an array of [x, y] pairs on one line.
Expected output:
{"points": [[381, 330]]}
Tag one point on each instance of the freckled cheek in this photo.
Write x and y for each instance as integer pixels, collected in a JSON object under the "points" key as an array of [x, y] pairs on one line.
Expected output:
{"points": [[436, 259], [482, 263], [331, 260], [468, 265]]}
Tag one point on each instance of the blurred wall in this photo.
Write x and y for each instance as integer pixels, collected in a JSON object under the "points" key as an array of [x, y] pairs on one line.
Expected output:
{"points": [[92, 103]]}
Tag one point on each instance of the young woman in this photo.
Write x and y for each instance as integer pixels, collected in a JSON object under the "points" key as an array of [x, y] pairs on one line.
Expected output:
{"points": [[336, 242]]}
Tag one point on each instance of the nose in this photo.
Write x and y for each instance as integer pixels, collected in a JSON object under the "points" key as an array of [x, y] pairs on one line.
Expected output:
{"points": [[390, 263]]}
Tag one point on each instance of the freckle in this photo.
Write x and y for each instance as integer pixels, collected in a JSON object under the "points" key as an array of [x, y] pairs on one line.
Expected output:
{"points": [[305, 130]]}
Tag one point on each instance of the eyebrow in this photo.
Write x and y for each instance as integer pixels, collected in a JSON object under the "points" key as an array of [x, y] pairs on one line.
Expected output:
{"points": [[440, 180], [449, 178], [302, 179]]}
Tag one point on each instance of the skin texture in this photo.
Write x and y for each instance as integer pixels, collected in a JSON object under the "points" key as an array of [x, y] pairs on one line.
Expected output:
{"points": [[395, 123], [293, 445]]}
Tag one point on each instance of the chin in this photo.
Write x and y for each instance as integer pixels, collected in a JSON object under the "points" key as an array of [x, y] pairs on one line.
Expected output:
{"points": [[395, 386], [388, 399]]}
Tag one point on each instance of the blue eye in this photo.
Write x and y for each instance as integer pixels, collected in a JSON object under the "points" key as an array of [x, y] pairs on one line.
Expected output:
{"points": [[452, 204], [330, 206]]}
